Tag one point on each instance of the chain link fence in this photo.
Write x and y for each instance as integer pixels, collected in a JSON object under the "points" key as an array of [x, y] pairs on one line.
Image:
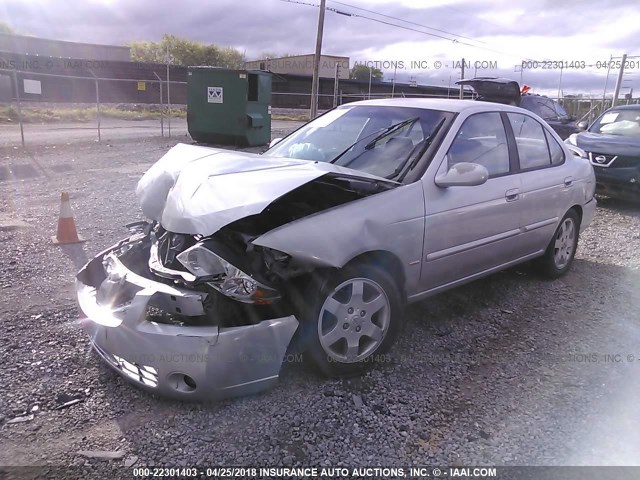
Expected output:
{"points": [[24, 115]]}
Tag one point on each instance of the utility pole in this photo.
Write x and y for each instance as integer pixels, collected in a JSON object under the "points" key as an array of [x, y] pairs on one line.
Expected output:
{"points": [[316, 62], [619, 80], [462, 78], [393, 85], [370, 75]]}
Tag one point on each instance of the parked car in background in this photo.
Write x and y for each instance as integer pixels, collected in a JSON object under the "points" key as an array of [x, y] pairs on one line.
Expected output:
{"points": [[504, 90], [329, 233], [612, 144]]}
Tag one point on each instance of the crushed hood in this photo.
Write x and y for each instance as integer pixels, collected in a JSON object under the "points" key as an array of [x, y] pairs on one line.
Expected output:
{"points": [[199, 190]]}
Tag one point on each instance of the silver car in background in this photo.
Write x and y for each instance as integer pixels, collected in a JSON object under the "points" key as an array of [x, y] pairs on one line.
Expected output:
{"points": [[322, 240]]}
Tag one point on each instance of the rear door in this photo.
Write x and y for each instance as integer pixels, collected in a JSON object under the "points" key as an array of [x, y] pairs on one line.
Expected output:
{"points": [[472, 229], [545, 177]]}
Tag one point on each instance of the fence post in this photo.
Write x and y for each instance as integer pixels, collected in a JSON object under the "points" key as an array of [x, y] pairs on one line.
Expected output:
{"points": [[161, 106], [168, 95], [462, 78], [335, 86], [97, 103], [15, 78]]}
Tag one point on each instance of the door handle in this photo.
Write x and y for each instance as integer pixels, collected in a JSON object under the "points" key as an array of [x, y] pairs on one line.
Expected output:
{"points": [[512, 195], [568, 181]]}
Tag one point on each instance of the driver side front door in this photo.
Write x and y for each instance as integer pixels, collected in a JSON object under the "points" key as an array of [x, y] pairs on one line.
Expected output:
{"points": [[472, 230]]}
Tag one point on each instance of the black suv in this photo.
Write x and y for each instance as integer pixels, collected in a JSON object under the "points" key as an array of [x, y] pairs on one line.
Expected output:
{"points": [[612, 144], [504, 90]]}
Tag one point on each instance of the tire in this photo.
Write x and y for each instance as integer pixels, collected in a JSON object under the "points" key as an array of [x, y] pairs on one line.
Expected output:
{"points": [[343, 338], [561, 250]]}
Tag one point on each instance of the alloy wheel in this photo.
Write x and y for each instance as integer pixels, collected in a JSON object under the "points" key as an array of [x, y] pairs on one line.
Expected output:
{"points": [[564, 243], [354, 320]]}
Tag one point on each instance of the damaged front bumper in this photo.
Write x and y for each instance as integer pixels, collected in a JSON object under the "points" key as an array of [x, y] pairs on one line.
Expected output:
{"points": [[180, 361]]}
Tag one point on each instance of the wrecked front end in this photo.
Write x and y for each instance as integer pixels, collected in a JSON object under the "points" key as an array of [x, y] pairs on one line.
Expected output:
{"points": [[178, 338], [189, 306]]}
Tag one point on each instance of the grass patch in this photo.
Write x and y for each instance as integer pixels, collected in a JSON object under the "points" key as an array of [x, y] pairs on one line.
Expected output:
{"points": [[302, 117], [9, 114], [35, 114]]}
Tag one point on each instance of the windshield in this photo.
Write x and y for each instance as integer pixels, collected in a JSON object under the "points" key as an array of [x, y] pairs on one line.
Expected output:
{"points": [[374, 139], [618, 122]]}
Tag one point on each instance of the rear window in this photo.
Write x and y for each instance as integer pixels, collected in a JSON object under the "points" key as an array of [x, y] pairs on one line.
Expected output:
{"points": [[543, 107]]}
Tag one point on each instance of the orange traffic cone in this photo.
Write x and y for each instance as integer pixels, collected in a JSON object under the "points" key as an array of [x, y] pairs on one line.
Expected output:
{"points": [[66, 226]]}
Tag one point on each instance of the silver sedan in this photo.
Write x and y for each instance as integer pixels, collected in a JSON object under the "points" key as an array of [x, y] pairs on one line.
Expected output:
{"points": [[317, 245]]}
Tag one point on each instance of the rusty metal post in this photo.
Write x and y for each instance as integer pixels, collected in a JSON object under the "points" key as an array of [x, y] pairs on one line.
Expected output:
{"points": [[161, 106]]}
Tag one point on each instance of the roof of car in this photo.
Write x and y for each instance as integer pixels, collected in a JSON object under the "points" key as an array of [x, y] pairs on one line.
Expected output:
{"points": [[443, 104], [487, 79]]}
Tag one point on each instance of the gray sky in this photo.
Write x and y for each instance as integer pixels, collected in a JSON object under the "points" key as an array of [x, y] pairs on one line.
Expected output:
{"points": [[500, 31]]}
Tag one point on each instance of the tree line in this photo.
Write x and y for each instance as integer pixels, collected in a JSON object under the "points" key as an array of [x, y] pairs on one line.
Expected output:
{"points": [[182, 51]]}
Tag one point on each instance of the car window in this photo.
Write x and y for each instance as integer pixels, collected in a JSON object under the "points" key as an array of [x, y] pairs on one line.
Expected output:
{"points": [[482, 140], [557, 153], [543, 107], [547, 109], [531, 141]]}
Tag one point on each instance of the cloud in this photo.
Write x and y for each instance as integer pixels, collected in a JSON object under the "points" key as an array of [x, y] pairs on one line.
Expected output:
{"points": [[499, 30]]}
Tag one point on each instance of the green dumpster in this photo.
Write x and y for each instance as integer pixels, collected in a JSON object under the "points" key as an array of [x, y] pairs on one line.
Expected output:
{"points": [[230, 107]]}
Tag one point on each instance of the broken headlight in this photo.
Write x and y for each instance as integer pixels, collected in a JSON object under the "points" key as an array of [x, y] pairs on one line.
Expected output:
{"points": [[225, 277]]}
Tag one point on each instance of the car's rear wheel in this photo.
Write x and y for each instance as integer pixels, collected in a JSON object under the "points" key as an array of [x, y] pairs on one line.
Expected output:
{"points": [[354, 321], [561, 250]]}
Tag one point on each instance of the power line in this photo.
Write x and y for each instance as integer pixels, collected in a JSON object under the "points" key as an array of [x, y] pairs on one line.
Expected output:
{"points": [[406, 21], [335, 10], [472, 15], [431, 28], [454, 40], [379, 21]]}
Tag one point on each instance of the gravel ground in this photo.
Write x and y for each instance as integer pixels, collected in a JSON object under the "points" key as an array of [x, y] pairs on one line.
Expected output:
{"points": [[511, 370]]}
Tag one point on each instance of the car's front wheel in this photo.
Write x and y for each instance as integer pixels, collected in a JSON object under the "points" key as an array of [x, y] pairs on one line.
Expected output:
{"points": [[354, 320], [562, 248]]}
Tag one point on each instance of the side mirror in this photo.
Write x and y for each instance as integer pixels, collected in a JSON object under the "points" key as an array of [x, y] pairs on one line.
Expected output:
{"points": [[463, 174], [583, 125], [274, 141]]}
